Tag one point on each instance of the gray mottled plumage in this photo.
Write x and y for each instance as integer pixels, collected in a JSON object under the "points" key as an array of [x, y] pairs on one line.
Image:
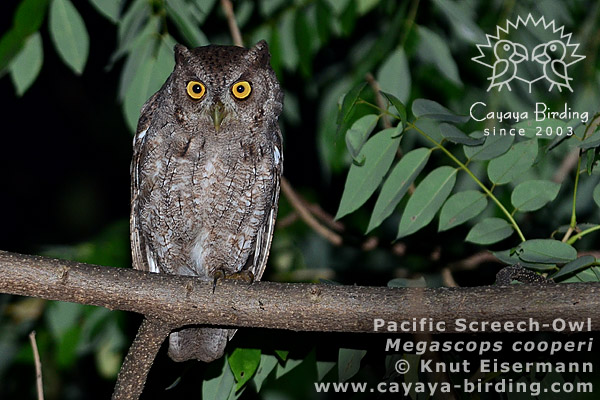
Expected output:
{"points": [[205, 176]]}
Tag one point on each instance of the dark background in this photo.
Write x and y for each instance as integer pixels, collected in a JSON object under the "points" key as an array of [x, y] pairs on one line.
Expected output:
{"points": [[64, 160]]}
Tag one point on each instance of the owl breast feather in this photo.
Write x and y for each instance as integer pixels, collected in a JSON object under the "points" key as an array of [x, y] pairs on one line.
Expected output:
{"points": [[213, 208]]}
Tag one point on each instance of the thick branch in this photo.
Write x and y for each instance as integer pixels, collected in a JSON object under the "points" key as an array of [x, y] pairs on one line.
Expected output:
{"points": [[179, 300], [140, 357]]}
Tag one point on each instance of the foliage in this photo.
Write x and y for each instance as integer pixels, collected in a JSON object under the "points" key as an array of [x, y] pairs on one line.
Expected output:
{"points": [[386, 87]]}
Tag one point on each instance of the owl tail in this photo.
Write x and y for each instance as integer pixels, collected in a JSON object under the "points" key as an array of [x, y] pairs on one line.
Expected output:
{"points": [[204, 344]]}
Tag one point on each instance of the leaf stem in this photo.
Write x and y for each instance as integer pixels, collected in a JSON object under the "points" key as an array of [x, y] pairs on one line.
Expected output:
{"points": [[468, 171], [573, 223], [582, 233]]}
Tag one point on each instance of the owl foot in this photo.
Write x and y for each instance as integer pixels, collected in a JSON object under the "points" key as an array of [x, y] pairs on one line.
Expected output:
{"points": [[244, 276]]}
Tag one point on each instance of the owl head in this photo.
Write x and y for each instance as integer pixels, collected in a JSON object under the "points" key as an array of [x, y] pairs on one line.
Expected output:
{"points": [[224, 88]]}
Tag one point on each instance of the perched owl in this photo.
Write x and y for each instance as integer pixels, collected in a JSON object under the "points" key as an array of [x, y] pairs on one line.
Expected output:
{"points": [[206, 168]]}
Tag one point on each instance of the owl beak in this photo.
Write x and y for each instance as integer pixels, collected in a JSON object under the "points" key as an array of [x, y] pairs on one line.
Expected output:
{"points": [[218, 114]]}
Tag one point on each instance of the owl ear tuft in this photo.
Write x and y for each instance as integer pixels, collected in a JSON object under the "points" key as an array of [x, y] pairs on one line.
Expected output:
{"points": [[182, 54], [259, 54]]}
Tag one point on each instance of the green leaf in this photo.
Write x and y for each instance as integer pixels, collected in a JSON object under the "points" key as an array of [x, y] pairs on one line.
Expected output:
{"points": [[205, 7], [268, 7], [591, 159], [455, 135], [426, 200], [165, 61], [290, 364], [592, 141], [337, 6], [266, 366], [349, 363], [27, 20], [575, 266], [222, 386], [533, 195], [423, 108], [510, 257], [69, 34], [274, 41], [400, 107], [141, 49], [514, 163], [138, 93], [304, 40], [66, 352], [434, 49], [378, 153], [357, 135], [109, 8], [62, 316], [244, 363], [364, 6], [332, 152], [29, 16], [179, 13], [591, 274], [488, 231], [291, 55], [323, 368], [461, 207], [397, 183], [394, 75], [148, 79], [348, 103], [348, 19], [26, 66], [461, 16], [282, 354], [132, 22], [109, 345], [493, 146], [323, 21], [548, 251], [10, 45], [596, 195]]}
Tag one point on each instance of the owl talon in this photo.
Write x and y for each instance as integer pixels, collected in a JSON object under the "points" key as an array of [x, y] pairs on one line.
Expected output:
{"points": [[244, 276], [219, 274]]}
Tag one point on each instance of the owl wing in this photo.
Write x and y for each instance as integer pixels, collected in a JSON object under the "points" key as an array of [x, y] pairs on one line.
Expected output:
{"points": [[142, 257], [265, 234]]}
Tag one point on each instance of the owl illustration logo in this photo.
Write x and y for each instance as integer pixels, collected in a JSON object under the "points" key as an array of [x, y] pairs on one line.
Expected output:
{"points": [[515, 57]]}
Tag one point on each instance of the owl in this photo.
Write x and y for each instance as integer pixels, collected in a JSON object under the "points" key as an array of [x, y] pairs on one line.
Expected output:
{"points": [[207, 163]]}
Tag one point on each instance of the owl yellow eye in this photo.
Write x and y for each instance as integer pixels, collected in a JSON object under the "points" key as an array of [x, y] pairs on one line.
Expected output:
{"points": [[195, 89], [241, 89]]}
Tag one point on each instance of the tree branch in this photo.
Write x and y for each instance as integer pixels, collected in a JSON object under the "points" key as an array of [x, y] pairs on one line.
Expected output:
{"points": [[39, 385], [304, 213], [139, 359], [181, 300], [233, 27]]}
